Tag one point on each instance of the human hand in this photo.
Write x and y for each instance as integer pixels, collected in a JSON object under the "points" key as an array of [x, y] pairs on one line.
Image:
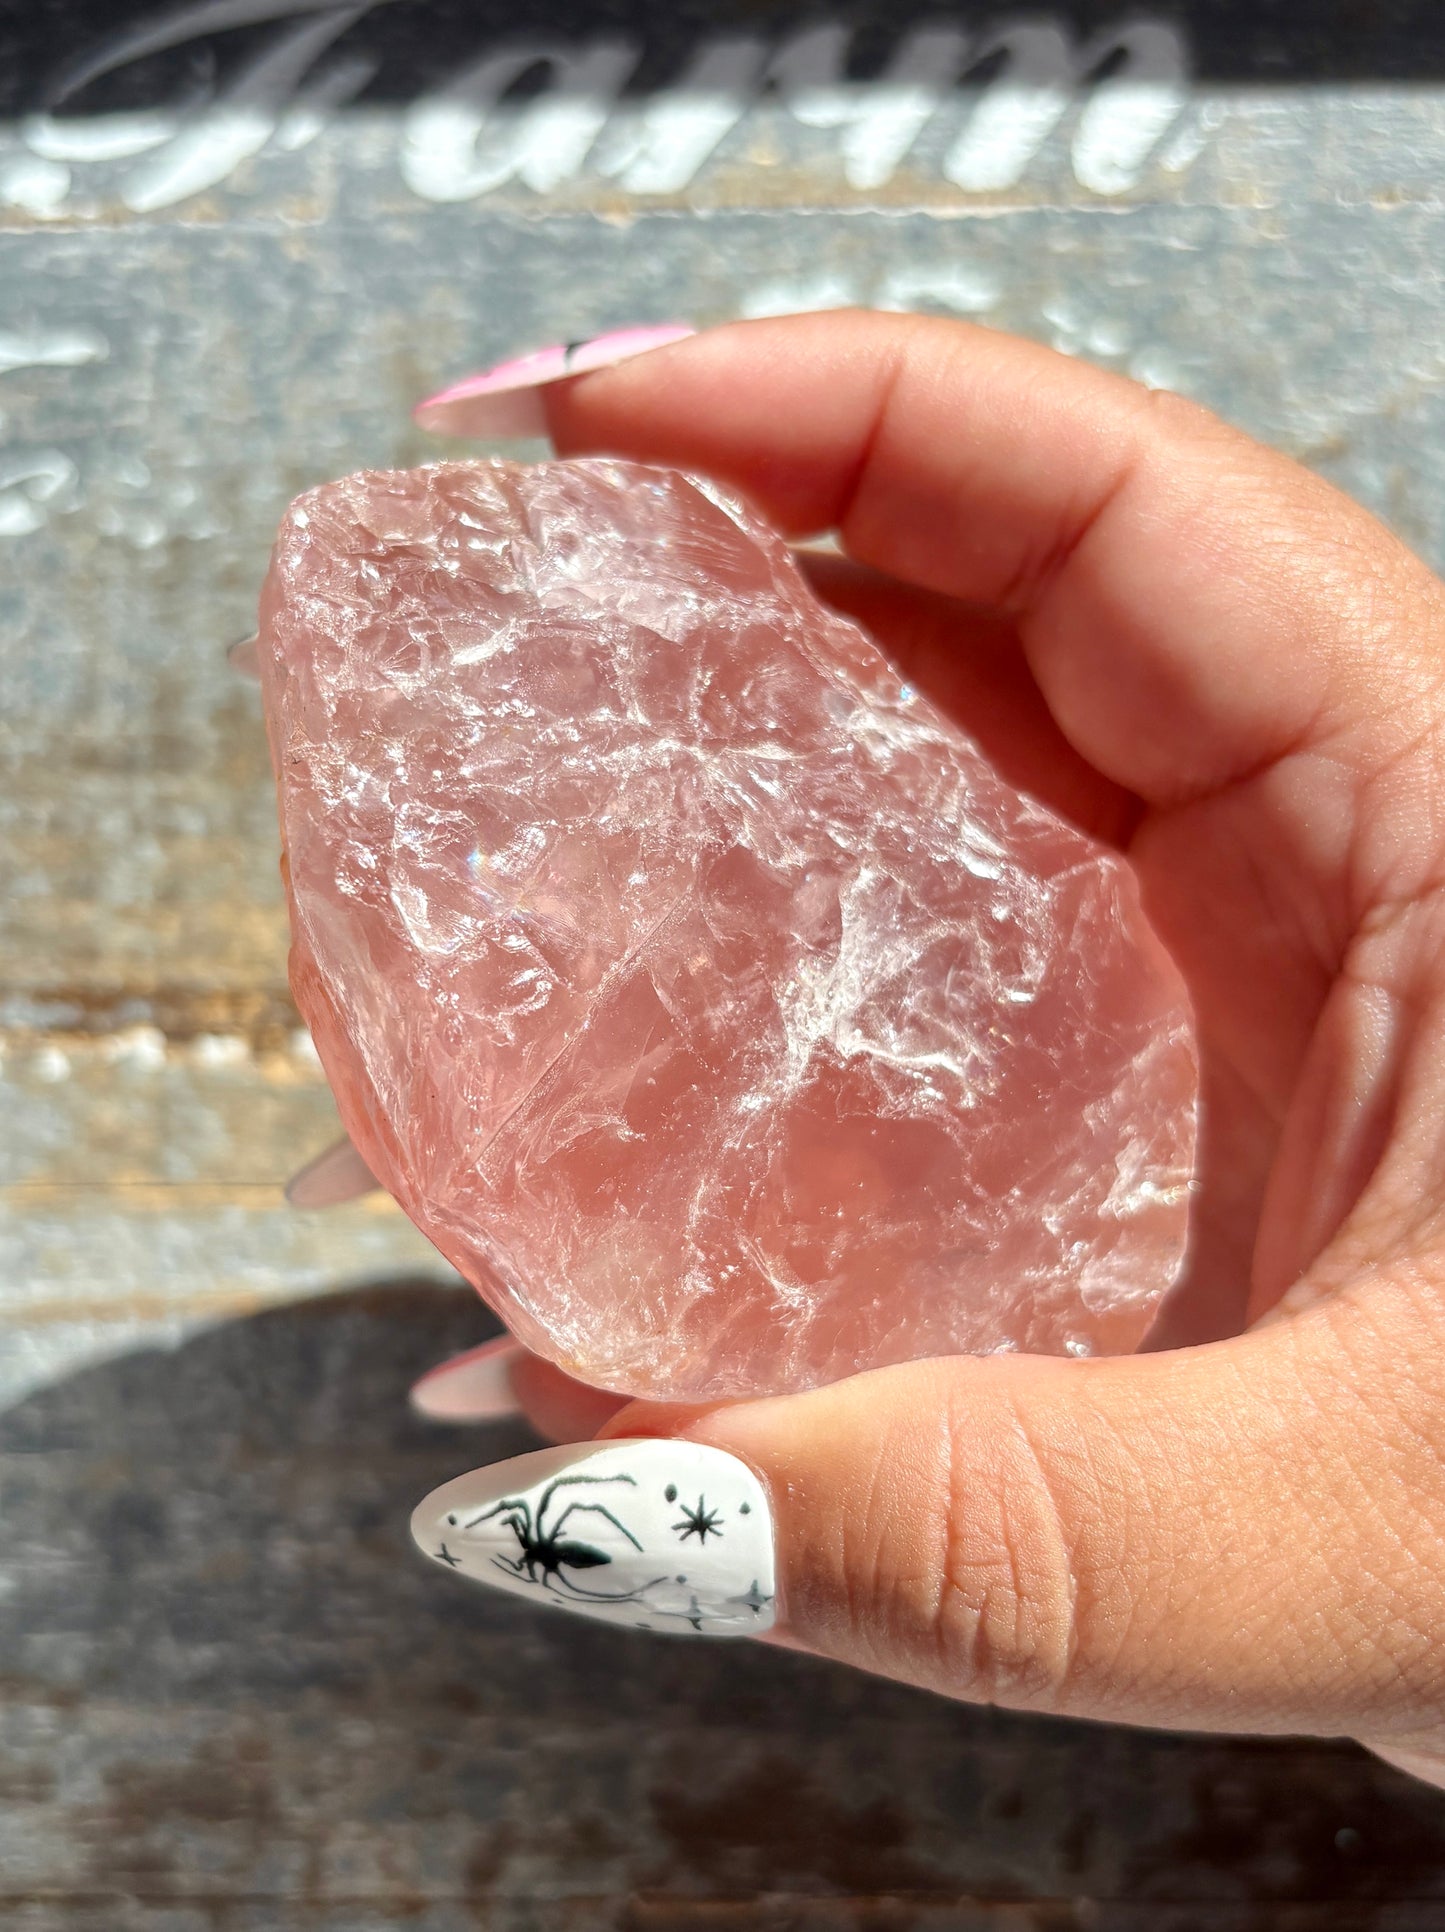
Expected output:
{"points": [[1201, 652]]}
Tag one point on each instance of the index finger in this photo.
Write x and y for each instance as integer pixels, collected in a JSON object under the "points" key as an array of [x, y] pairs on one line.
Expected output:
{"points": [[1193, 606]]}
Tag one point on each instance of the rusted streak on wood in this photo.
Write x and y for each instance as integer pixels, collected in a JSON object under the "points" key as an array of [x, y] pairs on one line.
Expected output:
{"points": [[126, 1306], [265, 1017], [149, 1197]]}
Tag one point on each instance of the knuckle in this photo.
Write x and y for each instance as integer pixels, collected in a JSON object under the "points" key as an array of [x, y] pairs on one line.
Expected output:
{"points": [[1006, 1611]]}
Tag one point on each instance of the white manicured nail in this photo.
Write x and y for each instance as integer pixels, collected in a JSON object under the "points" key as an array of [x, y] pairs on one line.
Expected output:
{"points": [[340, 1174], [649, 1534], [475, 1387]]}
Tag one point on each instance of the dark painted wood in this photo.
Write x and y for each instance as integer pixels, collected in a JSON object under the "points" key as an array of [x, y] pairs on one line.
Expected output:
{"points": [[236, 1698], [413, 45]]}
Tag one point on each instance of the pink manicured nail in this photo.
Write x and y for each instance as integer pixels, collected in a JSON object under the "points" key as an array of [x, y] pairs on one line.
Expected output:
{"points": [[475, 1387], [505, 400], [340, 1174], [243, 656]]}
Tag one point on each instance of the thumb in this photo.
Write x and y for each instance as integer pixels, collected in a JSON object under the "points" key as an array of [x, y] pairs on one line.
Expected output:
{"points": [[1249, 1536]]}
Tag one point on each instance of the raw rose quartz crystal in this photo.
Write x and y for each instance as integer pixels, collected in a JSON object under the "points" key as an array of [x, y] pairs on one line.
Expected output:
{"points": [[693, 983]]}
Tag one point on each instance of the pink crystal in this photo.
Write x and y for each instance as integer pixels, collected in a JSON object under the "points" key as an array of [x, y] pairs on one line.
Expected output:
{"points": [[694, 984]]}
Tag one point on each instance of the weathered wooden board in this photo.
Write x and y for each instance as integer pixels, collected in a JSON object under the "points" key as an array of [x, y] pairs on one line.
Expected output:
{"points": [[234, 248], [234, 1699]]}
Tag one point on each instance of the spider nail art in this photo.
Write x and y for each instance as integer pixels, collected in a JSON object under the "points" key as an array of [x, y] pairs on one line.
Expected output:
{"points": [[650, 1533]]}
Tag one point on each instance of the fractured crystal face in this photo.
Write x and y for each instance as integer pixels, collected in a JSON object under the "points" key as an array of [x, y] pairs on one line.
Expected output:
{"points": [[696, 986]]}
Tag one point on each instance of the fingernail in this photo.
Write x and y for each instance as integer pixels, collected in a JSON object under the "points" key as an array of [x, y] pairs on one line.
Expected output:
{"points": [[475, 1387], [340, 1174], [506, 400], [646, 1534], [244, 656]]}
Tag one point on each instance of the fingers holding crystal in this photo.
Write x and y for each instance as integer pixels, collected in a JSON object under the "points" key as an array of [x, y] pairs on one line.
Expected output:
{"points": [[967, 660], [1165, 570], [1210, 626]]}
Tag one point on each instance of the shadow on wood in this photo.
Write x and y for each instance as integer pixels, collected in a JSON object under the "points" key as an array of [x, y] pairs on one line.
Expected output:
{"points": [[235, 1697]]}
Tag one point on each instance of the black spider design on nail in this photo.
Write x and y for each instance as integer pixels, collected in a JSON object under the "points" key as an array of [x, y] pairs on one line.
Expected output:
{"points": [[542, 1547]]}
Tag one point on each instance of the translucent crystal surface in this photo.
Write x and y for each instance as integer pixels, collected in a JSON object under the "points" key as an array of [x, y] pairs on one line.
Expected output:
{"points": [[696, 986]]}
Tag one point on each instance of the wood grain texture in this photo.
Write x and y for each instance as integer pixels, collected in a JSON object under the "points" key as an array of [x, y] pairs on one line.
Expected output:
{"points": [[236, 1697]]}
